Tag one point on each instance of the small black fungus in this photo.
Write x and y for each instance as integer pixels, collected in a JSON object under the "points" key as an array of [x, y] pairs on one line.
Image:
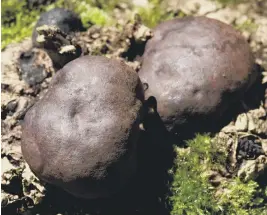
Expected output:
{"points": [[66, 20], [248, 148], [30, 72], [31, 4], [11, 106]]}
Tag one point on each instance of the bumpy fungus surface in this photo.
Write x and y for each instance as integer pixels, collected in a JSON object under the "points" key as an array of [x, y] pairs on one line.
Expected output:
{"points": [[195, 67], [82, 134], [65, 20]]}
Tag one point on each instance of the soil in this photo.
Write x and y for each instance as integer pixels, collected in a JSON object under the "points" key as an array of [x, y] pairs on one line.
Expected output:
{"points": [[23, 193]]}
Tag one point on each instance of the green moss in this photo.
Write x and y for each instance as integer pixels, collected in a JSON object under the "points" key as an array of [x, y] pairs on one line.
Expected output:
{"points": [[241, 198], [192, 194], [247, 25], [230, 2], [105, 5], [155, 13], [91, 12], [18, 22]]}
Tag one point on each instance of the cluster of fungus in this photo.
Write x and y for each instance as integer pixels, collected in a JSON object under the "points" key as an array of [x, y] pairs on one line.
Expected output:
{"points": [[83, 134]]}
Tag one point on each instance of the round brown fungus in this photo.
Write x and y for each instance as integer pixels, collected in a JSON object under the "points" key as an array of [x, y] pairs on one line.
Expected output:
{"points": [[82, 135], [196, 67]]}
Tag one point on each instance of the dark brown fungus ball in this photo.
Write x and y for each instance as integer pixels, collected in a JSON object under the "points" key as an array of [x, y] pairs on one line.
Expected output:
{"points": [[196, 67], [66, 20], [82, 135], [57, 27]]}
